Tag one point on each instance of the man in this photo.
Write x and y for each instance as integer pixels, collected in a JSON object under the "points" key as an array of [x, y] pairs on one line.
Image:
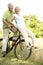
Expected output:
{"points": [[7, 15]]}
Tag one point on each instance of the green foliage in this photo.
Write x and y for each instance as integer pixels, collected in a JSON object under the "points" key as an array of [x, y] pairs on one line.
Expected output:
{"points": [[34, 24]]}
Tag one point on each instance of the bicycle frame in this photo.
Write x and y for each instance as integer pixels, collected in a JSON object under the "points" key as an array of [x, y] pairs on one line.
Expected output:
{"points": [[15, 38]]}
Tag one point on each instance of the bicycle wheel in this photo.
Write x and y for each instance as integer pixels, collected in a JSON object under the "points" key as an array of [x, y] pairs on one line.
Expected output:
{"points": [[21, 51]]}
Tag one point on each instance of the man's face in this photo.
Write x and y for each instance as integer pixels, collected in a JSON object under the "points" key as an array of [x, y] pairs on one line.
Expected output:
{"points": [[10, 7]]}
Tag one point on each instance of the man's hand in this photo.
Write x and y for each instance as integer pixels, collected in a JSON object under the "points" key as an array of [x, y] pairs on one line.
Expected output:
{"points": [[8, 26]]}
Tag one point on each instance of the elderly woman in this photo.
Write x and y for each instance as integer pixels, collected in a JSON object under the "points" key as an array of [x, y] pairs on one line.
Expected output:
{"points": [[22, 27]]}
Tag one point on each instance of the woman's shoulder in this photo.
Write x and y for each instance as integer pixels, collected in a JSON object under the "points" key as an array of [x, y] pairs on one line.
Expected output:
{"points": [[15, 15]]}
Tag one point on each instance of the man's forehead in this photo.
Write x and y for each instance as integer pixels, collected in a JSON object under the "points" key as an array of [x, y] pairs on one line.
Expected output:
{"points": [[10, 4]]}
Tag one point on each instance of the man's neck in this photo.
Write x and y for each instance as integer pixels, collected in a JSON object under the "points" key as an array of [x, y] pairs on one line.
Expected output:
{"points": [[10, 11]]}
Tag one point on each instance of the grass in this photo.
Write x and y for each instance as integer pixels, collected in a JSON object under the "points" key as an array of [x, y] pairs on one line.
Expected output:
{"points": [[10, 59]]}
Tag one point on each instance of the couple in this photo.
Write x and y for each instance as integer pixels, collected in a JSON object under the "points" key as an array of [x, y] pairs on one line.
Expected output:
{"points": [[8, 17]]}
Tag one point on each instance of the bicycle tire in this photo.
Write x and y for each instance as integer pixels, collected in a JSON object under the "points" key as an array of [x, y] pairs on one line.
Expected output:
{"points": [[16, 48]]}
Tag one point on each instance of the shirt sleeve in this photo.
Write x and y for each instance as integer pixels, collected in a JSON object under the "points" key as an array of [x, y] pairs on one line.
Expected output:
{"points": [[5, 15]]}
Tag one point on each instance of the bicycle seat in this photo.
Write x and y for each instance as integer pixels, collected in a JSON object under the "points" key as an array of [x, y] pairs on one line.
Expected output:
{"points": [[15, 38]]}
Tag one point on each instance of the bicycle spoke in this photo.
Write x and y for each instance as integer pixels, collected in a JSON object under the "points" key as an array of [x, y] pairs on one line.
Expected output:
{"points": [[21, 50]]}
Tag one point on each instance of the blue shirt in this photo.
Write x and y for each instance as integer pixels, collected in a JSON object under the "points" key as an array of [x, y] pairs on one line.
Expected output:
{"points": [[19, 20]]}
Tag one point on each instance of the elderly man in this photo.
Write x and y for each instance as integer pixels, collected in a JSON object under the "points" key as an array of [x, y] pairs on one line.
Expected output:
{"points": [[7, 15]]}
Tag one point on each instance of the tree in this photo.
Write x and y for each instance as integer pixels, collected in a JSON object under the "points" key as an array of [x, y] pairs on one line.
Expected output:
{"points": [[34, 24]]}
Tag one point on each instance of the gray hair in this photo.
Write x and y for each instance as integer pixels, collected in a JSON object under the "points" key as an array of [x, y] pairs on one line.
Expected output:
{"points": [[10, 5]]}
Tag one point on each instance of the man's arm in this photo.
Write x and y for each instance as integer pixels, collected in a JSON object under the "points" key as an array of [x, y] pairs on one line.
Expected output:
{"points": [[4, 19], [5, 22]]}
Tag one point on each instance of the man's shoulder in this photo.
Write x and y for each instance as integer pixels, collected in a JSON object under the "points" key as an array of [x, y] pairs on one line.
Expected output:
{"points": [[6, 12]]}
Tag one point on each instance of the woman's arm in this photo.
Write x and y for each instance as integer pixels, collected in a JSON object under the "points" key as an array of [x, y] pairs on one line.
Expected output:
{"points": [[11, 20]]}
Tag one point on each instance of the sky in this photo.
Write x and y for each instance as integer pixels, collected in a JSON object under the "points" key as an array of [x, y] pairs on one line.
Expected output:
{"points": [[28, 7]]}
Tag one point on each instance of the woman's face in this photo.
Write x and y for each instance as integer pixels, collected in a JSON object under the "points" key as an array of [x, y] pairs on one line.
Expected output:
{"points": [[17, 9]]}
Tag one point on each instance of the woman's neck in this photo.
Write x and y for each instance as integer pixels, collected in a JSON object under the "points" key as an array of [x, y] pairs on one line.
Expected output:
{"points": [[17, 13]]}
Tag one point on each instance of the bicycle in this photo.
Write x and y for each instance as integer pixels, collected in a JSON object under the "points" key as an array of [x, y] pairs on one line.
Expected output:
{"points": [[20, 48]]}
